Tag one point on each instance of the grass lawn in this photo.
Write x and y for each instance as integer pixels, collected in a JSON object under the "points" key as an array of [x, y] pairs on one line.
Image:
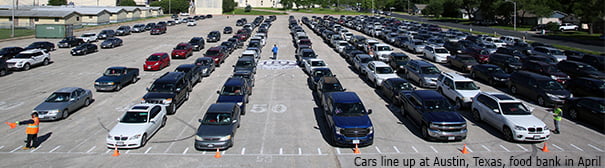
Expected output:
{"points": [[576, 34], [519, 28], [6, 33], [240, 11]]}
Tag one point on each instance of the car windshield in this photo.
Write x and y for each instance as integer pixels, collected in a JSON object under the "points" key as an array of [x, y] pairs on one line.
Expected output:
{"points": [[309, 54], [550, 85], [24, 55], [212, 52], [318, 63], [418, 43], [437, 105], [349, 109], [366, 59], [180, 47], [467, 85], [204, 62], [162, 87], [383, 48], [244, 64], [244, 76], [556, 52], [113, 72], [441, 51], [184, 70], [514, 109], [135, 117], [429, 70], [231, 91], [490, 46], [495, 70], [153, 58], [320, 73], [304, 42], [194, 41], [217, 119], [401, 59], [587, 68], [551, 69], [403, 86], [332, 87], [88, 35], [483, 52], [58, 97], [384, 70]]}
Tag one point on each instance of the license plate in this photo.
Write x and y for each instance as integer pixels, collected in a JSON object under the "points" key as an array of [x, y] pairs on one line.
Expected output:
{"points": [[210, 145], [451, 138], [536, 136], [356, 141], [120, 143]]}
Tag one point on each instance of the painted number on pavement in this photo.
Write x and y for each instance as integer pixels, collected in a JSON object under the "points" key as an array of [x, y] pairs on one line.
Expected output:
{"points": [[261, 108]]}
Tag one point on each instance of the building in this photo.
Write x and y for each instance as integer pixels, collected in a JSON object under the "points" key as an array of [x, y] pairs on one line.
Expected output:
{"points": [[76, 2], [28, 19], [117, 15], [259, 3]]}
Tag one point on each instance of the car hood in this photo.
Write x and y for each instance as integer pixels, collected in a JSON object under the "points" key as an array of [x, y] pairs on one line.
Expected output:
{"points": [[127, 129], [152, 95], [501, 75], [232, 99], [108, 78], [352, 122], [559, 93], [450, 116], [63, 41], [78, 48], [106, 43], [178, 50], [51, 106], [469, 93], [214, 130], [387, 76], [525, 120], [151, 62]]}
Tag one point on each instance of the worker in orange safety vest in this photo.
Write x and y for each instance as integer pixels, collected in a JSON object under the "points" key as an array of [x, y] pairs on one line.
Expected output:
{"points": [[31, 130]]}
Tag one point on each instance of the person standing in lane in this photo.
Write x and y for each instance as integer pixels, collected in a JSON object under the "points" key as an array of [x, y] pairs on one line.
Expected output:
{"points": [[274, 50], [31, 130]]}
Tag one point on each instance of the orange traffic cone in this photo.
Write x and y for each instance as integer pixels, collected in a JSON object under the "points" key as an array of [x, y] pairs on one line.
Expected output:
{"points": [[218, 153], [12, 125], [116, 152], [356, 150], [545, 148], [464, 150]]}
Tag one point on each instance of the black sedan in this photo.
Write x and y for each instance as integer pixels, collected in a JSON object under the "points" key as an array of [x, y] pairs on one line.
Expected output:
{"points": [[84, 49], [493, 74], [393, 88], [228, 30], [111, 42], [587, 109], [43, 45]]}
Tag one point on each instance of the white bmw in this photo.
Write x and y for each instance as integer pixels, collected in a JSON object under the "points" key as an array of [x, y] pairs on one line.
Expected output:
{"points": [[136, 126]]}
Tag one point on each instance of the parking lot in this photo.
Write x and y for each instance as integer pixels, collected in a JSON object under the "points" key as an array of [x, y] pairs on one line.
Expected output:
{"points": [[283, 126]]}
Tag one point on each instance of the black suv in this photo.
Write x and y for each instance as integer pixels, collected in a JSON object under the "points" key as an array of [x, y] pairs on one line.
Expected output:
{"points": [[7, 53], [543, 89], [512, 51], [507, 62], [192, 72], [579, 69], [171, 89], [197, 43], [214, 36], [43, 45]]}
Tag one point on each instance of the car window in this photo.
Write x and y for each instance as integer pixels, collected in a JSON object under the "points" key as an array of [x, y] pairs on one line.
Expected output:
{"points": [[58, 97], [514, 109], [466, 85], [231, 91], [135, 117], [150, 58], [384, 70], [430, 70], [155, 111]]}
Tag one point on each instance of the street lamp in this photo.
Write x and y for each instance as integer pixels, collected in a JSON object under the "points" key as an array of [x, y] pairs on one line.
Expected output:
{"points": [[13, 20], [514, 14]]}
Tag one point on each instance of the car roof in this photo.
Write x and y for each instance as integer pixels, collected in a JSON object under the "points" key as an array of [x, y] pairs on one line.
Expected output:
{"points": [[345, 97], [221, 108], [169, 77], [242, 72], [379, 63], [245, 59], [234, 82], [428, 94], [456, 77], [500, 97], [185, 66], [67, 89]]}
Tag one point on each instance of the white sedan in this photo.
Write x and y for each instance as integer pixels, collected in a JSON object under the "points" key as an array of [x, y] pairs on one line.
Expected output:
{"points": [[136, 126], [313, 63], [191, 23]]}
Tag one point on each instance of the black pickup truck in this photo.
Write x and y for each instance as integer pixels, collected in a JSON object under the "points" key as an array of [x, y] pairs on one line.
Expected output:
{"points": [[115, 78]]}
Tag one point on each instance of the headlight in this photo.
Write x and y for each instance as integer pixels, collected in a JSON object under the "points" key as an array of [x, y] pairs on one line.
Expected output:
{"points": [[137, 136], [205, 70], [97, 83], [371, 130], [338, 129], [551, 96], [53, 112], [520, 128], [225, 138], [433, 126], [168, 101], [199, 138], [110, 83], [240, 103]]}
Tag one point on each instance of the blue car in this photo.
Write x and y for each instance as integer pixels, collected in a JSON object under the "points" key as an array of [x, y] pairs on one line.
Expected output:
{"points": [[235, 90], [348, 119]]}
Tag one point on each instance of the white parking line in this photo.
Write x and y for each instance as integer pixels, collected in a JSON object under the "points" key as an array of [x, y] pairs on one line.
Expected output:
{"points": [[108, 150], [281, 151], [1, 147], [185, 151], [577, 147], [504, 148], [555, 145], [434, 149], [203, 153], [338, 151], [415, 150], [299, 151], [319, 151], [32, 151], [16, 149], [148, 149], [51, 151], [524, 149], [243, 151], [261, 150], [92, 148], [594, 147], [377, 149], [469, 149], [396, 150], [127, 151], [485, 147]]}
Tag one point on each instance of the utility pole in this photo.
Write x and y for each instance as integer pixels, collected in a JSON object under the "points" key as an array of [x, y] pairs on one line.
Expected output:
{"points": [[13, 20]]}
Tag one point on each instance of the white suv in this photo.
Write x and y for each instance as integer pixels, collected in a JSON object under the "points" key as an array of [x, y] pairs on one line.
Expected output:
{"points": [[436, 53], [458, 88], [25, 59], [382, 51], [378, 71], [510, 116]]}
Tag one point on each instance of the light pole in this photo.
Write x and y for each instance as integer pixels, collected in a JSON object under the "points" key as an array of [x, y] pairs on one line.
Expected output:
{"points": [[514, 14], [13, 20]]}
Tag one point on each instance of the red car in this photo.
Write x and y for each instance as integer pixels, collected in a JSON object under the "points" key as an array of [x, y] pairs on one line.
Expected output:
{"points": [[182, 50], [217, 54], [481, 55], [156, 62]]}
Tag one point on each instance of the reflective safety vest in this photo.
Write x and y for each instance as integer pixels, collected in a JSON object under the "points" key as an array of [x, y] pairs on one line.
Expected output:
{"points": [[558, 114], [33, 128]]}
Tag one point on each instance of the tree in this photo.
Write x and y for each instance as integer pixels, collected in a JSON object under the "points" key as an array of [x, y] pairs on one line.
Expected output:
{"points": [[451, 8], [506, 10], [127, 3], [591, 12], [57, 2], [434, 8], [471, 7], [177, 5], [228, 6]]}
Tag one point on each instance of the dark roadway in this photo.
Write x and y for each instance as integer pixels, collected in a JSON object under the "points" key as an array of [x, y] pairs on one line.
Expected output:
{"points": [[598, 46]]}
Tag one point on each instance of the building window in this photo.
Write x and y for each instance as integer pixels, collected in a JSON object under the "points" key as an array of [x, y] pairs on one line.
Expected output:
{"points": [[36, 19], [78, 18], [10, 19], [111, 14], [261, 3], [56, 19], [89, 17]]}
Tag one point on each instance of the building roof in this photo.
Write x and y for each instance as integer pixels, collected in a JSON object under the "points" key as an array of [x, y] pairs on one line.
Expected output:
{"points": [[30, 13]]}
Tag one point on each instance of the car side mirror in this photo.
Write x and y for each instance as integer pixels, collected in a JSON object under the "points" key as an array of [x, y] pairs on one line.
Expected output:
{"points": [[344, 89], [178, 89], [152, 121], [369, 111], [218, 92], [234, 121], [118, 119], [496, 111], [199, 120], [72, 99]]}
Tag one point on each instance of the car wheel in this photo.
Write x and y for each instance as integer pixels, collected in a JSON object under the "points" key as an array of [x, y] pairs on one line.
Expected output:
{"points": [[65, 114], [118, 87], [513, 89], [243, 111], [172, 109], [45, 62], [86, 102], [476, 116], [2, 72], [541, 101], [508, 134], [573, 114], [164, 121], [459, 103], [26, 67], [143, 140], [425, 132]]}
